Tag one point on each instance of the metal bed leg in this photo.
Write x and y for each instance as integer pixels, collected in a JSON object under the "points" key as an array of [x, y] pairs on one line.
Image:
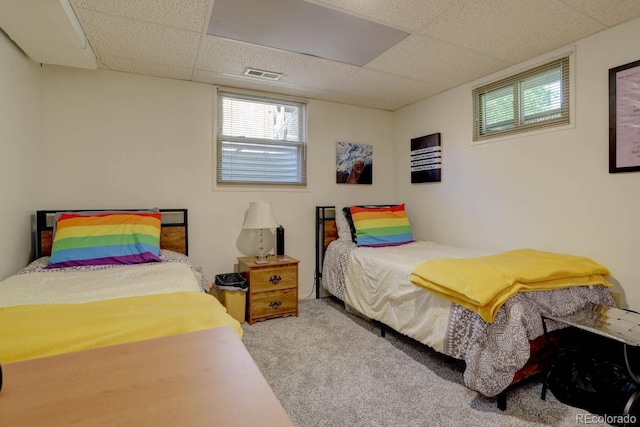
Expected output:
{"points": [[502, 400], [552, 359], [319, 249], [545, 383], [635, 378], [317, 282], [630, 402]]}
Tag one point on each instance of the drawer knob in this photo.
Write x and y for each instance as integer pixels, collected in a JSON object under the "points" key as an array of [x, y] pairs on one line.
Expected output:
{"points": [[275, 279], [275, 304]]}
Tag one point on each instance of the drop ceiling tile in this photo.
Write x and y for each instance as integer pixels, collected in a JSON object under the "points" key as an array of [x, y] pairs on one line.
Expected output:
{"points": [[185, 14], [605, 12], [426, 59], [405, 14], [231, 57], [136, 66], [295, 91], [364, 101], [512, 30], [370, 83], [112, 35], [246, 83]]}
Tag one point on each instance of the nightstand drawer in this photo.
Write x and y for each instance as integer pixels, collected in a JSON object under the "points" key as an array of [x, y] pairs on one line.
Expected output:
{"points": [[275, 303], [273, 279]]}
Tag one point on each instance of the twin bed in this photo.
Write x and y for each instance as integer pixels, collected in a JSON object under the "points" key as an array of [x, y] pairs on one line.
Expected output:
{"points": [[379, 281], [79, 298], [70, 299]]}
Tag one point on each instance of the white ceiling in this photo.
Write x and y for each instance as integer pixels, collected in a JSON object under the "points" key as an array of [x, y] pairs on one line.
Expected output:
{"points": [[451, 42]]}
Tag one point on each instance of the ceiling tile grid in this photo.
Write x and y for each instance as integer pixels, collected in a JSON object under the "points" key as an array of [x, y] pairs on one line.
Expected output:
{"points": [[452, 42]]}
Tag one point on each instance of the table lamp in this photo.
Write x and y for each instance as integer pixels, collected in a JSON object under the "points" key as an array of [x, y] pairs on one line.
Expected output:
{"points": [[260, 216]]}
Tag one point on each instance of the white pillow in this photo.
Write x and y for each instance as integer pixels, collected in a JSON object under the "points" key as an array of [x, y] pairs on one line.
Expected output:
{"points": [[344, 231]]}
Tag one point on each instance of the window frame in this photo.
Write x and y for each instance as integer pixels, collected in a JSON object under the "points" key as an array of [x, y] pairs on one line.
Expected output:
{"points": [[514, 80], [300, 145]]}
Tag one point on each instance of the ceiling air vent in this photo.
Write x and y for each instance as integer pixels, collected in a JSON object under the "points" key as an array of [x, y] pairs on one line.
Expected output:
{"points": [[261, 74]]}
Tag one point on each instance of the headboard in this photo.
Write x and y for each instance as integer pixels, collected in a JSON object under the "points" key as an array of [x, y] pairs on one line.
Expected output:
{"points": [[326, 232], [173, 229]]}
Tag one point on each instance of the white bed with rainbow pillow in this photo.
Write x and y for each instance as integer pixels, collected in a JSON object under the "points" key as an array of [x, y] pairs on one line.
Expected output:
{"points": [[379, 279], [103, 278]]}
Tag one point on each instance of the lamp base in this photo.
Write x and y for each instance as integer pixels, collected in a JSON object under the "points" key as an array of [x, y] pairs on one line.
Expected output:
{"points": [[261, 255]]}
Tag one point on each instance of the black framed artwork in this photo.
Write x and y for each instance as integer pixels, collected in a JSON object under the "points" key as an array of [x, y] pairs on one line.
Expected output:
{"points": [[426, 159], [624, 118]]}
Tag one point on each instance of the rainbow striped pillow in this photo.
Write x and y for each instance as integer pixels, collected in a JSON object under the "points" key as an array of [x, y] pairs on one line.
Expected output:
{"points": [[381, 226], [105, 238]]}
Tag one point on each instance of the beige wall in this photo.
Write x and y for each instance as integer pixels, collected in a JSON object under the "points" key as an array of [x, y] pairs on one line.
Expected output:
{"points": [[113, 140], [118, 140], [550, 191], [19, 136]]}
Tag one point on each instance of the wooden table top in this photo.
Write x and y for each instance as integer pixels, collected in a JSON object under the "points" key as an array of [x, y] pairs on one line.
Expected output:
{"points": [[192, 379]]}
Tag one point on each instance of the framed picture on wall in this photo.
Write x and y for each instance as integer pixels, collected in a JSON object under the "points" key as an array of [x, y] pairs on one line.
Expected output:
{"points": [[426, 159], [354, 163], [624, 118]]}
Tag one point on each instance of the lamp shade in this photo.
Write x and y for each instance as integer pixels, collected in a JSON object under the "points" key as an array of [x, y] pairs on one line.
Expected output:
{"points": [[260, 215]]}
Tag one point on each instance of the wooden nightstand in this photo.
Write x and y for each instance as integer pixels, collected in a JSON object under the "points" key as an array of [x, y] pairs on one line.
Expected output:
{"points": [[273, 287]]}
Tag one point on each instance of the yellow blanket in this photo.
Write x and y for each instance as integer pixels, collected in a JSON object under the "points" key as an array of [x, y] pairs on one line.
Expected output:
{"points": [[31, 331], [483, 284]]}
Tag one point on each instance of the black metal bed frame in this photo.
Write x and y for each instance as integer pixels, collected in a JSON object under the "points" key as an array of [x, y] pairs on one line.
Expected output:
{"points": [[322, 215]]}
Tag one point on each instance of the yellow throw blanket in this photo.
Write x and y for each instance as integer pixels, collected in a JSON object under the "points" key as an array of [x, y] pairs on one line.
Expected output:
{"points": [[31, 331], [483, 284]]}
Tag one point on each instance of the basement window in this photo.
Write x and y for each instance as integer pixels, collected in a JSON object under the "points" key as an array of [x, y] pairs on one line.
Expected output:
{"points": [[260, 140], [531, 100]]}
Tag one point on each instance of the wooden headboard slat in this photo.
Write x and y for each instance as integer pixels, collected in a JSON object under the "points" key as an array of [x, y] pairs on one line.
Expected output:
{"points": [[173, 229], [330, 232], [174, 239], [46, 241]]}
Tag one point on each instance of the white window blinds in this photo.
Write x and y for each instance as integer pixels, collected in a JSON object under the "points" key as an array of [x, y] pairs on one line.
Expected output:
{"points": [[534, 99], [260, 140]]}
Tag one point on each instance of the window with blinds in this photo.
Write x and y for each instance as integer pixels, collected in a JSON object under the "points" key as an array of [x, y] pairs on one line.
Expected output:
{"points": [[537, 98], [260, 140]]}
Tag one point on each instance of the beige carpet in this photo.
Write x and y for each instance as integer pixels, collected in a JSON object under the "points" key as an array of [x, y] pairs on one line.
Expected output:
{"points": [[330, 368]]}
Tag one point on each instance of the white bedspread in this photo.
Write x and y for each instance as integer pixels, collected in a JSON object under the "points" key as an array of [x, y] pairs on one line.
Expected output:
{"points": [[57, 287], [377, 284]]}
